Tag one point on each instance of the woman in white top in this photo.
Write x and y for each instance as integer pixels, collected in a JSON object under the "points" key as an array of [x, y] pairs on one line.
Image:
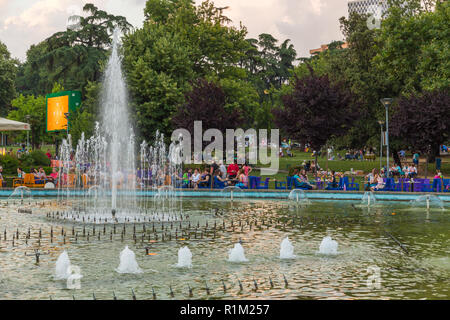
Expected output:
{"points": [[195, 178]]}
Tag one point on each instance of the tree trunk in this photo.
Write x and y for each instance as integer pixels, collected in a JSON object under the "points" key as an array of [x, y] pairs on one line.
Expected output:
{"points": [[434, 152], [426, 166], [397, 160]]}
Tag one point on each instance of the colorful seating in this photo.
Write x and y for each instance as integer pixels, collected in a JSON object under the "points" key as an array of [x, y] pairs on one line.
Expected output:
{"points": [[30, 181], [281, 185], [252, 182], [353, 186], [262, 185]]}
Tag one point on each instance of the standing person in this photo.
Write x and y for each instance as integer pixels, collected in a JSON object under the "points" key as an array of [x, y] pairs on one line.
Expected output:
{"points": [[232, 170], [223, 169], [247, 169], [416, 158], [48, 154], [213, 168]]}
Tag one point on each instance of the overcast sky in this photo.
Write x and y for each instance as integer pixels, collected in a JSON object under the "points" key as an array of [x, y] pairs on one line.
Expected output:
{"points": [[308, 23]]}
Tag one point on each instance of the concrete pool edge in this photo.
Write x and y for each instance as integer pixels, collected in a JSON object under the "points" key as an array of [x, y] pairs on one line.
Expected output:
{"points": [[250, 194]]}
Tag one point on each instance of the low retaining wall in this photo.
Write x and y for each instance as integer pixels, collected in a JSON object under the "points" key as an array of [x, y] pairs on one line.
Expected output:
{"points": [[250, 194]]}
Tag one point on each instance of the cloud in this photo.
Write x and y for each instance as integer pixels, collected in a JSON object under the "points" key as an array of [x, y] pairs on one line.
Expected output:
{"points": [[28, 22], [308, 23]]}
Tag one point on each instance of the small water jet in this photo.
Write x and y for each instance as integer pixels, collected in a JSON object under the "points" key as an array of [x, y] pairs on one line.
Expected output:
{"points": [[229, 191], [22, 192], [287, 249], [62, 267], [237, 254], [128, 263], [299, 196], [184, 258], [328, 246], [368, 199], [429, 201]]}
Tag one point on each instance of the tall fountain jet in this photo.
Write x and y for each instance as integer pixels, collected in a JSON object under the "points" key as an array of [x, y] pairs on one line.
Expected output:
{"points": [[103, 165], [115, 121]]}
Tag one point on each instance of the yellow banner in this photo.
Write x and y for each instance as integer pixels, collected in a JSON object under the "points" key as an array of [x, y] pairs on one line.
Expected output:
{"points": [[56, 107]]}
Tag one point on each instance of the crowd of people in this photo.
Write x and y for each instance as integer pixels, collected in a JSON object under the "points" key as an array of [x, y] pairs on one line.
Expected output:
{"points": [[40, 177], [231, 175]]}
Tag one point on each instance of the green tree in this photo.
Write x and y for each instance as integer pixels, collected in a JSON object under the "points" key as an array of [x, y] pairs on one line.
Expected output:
{"points": [[179, 43], [84, 119], [72, 57], [414, 45], [8, 70], [30, 109]]}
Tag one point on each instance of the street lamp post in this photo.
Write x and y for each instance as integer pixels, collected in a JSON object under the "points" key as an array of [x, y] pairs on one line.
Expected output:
{"points": [[386, 103], [28, 131], [381, 142]]}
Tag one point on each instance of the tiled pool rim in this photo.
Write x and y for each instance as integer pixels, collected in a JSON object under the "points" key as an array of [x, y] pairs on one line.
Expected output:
{"points": [[250, 194]]}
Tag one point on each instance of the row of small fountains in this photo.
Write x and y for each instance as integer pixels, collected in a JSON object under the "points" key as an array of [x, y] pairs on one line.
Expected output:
{"points": [[207, 289], [145, 217], [182, 232]]}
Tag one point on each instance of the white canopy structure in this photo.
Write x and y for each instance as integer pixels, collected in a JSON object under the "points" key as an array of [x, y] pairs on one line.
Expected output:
{"points": [[11, 125]]}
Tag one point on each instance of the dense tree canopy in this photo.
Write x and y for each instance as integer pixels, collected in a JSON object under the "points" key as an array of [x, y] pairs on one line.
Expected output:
{"points": [[315, 111], [181, 42], [423, 121], [207, 103], [413, 52], [72, 57], [30, 109], [8, 71]]}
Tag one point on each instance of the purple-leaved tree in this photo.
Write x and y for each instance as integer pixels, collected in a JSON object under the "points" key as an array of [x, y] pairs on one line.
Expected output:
{"points": [[423, 121], [316, 111]]}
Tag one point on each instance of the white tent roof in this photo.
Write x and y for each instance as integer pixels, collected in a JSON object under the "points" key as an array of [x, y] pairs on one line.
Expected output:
{"points": [[11, 125]]}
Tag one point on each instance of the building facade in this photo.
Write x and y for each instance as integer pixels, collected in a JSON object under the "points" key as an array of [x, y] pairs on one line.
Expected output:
{"points": [[368, 6]]}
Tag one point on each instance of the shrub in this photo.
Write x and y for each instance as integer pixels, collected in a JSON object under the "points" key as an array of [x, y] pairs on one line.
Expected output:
{"points": [[40, 158], [35, 159], [9, 164]]}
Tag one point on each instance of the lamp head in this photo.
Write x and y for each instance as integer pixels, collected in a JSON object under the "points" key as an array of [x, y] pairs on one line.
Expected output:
{"points": [[386, 101]]}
